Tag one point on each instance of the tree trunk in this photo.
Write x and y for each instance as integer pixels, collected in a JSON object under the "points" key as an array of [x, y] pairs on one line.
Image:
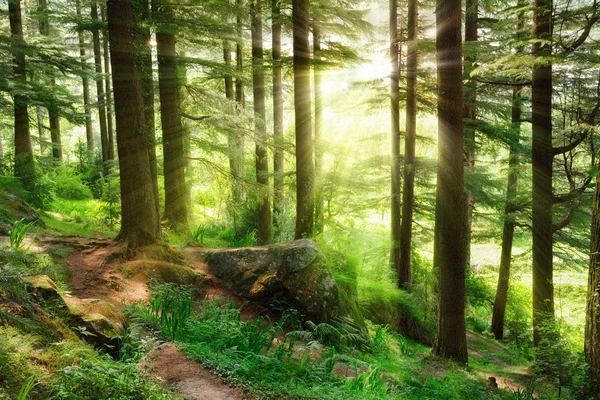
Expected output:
{"points": [[236, 158], [395, 126], [140, 220], [39, 111], [100, 87], [318, 136], [24, 168], [469, 113], [508, 229], [148, 93], [509, 217], [278, 160], [592, 320], [408, 195], [541, 102], [451, 339], [89, 132], [305, 171], [108, 95], [262, 157], [176, 212], [239, 142], [53, 112]]}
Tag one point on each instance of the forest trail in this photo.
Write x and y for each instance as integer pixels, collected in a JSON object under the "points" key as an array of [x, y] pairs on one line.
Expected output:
{"points": [[96, 272]]}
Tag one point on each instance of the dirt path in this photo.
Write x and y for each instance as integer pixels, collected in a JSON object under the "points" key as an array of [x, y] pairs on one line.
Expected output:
{"points": [[96, 272], [187, 377]]}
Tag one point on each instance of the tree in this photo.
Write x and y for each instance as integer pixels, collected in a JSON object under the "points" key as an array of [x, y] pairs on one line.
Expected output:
{"points": [[318, 133], [408, 193], [176, 212], [541, 102], [449, 234], [53, 112], [96, 25], [508, 228], [395, 126], [108, 95], [469, 113], [278, 178], [262, 158], [140, 220], [302, 103], [24, 168], [89, 132]]}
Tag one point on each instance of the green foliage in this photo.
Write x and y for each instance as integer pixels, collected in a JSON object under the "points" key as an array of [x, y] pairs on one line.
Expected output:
{"points": [[26, 388], [69, 185], [170, 307], [19, 233]]}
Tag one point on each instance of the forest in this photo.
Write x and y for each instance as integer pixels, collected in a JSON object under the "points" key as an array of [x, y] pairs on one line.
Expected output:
{"points": [[299, 199]]}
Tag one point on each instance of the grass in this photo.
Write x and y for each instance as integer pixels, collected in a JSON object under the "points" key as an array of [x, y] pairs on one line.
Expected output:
{"points": [[257, 356], [78, 217]]}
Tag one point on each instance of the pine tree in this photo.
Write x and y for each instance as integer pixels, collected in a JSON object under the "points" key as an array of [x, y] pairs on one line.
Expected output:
{"points": [[449, 235], [89, 132], [395, 133], [96, 26], [304, 145], [278, 154], [140, 220]]}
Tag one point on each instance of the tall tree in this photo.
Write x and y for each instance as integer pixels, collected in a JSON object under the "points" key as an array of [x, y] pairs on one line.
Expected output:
{"points": [[318, 134], [176, 212], [262, 158], [469, 112], [140, 220], [542, 154], [24, 168], [395, 126], [449, 235], [408, 194], [108, 94], [305, 170], [238, 142], [592, 321], [148, 89], [508, 228], [89, 131], [53, 112], [96, 26], [278, 178]]}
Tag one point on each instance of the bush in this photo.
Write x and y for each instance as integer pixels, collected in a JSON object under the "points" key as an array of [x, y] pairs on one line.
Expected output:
{"points": [[70, 186]]}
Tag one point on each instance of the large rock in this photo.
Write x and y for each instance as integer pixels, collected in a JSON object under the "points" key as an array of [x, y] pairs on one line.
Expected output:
{"points": [[294, 272], [95, 321], [13, 208]]}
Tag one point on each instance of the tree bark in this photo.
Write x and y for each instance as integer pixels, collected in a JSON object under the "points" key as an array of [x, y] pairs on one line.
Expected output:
{"points": [[508, 229], [108, 94], [176, 212], [470, 113], [592, 320], [278, 160], [543, 291], [238, 147], [305, 170], [262, 157], [89, 132], [24, 167], [451, 339], [140, 220], [100, 87], [395, 131], [408, 195], [148, 91], [53, 111], [318, 135]]}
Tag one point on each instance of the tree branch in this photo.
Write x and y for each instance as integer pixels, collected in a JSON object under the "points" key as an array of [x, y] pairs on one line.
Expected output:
{"points": [[195, 118], [565, 149], [504, 83], [564, 223]]}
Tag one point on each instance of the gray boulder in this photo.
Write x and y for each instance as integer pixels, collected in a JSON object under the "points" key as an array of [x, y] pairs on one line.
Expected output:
{"points": [[295, 273]]}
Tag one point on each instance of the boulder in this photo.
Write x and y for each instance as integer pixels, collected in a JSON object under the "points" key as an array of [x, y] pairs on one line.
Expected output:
{"points": [[95, 321], [13, 208], [295, 273]]}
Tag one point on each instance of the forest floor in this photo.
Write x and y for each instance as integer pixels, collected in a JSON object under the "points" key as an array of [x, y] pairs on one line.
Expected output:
{"points": [[98, 269]]}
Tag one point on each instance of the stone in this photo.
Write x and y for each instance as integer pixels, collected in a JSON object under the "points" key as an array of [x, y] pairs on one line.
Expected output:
{"points": [[295, 273], [13, 208], [96, 321]]}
